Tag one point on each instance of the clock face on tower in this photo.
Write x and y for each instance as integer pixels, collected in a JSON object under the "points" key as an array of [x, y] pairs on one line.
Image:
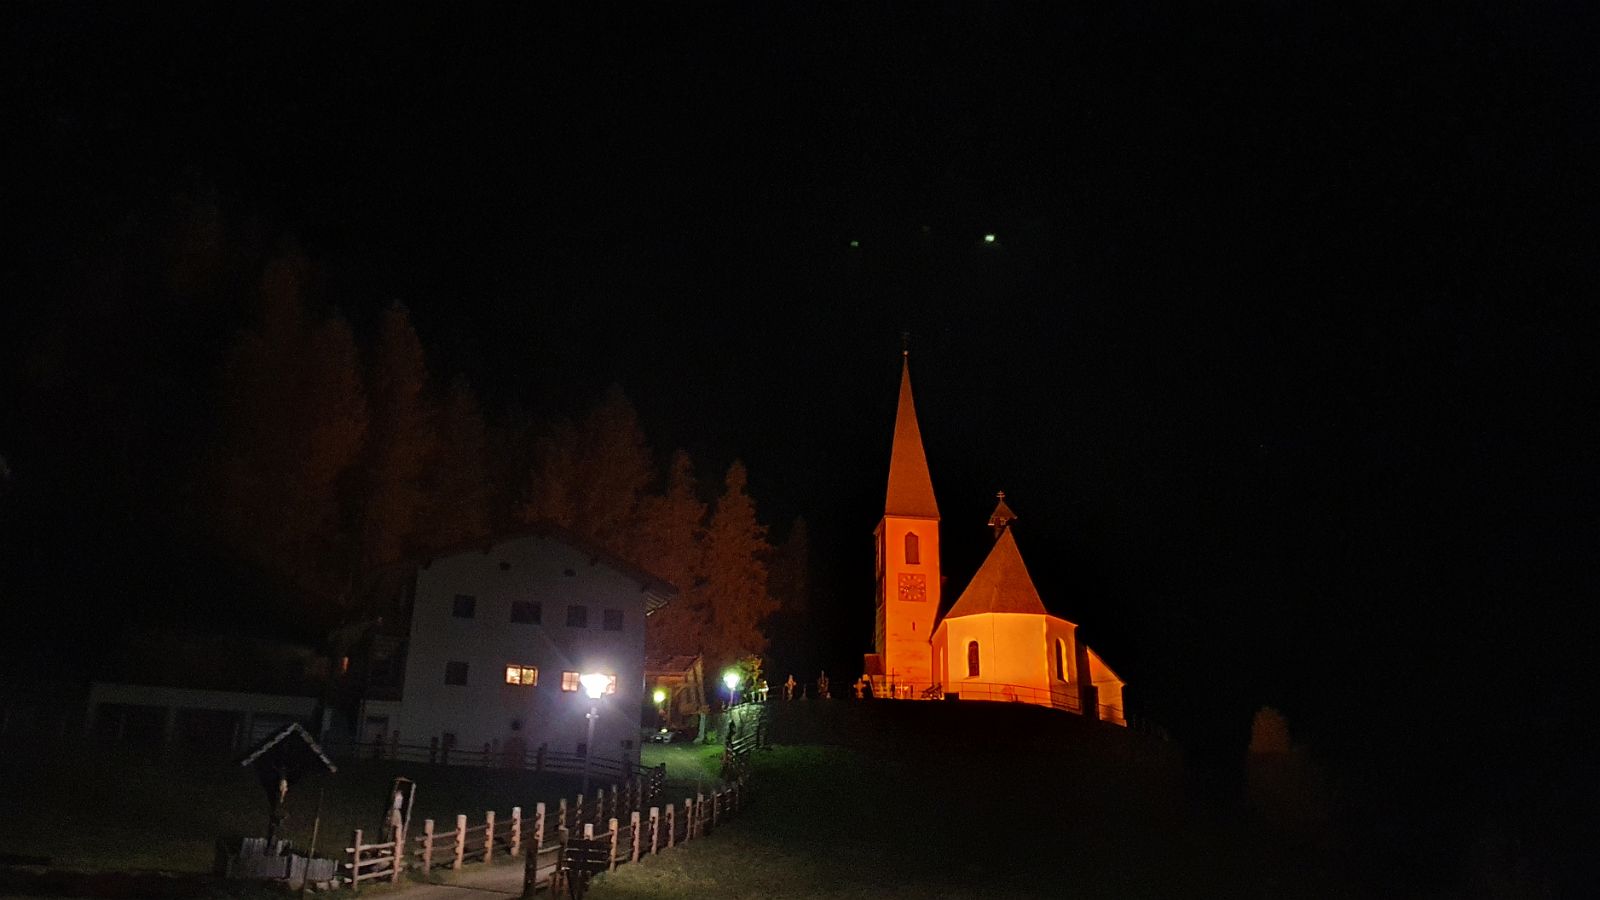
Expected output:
{"points": [[913, 587]]}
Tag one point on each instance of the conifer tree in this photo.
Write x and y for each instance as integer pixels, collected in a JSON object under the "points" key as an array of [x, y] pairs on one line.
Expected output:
{"points": [[458, 481], [671, 528], [294, 422], [400, 441], [735, 573], [590, 477]]}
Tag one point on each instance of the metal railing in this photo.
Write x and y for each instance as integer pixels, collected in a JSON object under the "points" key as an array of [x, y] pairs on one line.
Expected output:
{"points": [[1063, 698]]}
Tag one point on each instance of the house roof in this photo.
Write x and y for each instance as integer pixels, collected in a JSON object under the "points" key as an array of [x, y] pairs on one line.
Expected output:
{"points": [[1002, 584], [910, 486], [302, 754], [660, 589]]}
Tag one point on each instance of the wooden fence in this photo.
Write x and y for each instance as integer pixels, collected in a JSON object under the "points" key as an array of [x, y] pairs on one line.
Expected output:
{"points": [[540, 759], [629, 815]]}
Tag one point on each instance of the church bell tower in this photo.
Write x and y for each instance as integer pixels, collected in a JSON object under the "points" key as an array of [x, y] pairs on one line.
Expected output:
{"points": [[908, 562]]}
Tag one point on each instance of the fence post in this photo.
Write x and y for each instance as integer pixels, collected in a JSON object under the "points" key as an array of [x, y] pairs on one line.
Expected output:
{"points": [[613, 856], [398, 861], [599, 805], [688, 815], [427, 846], [700, 815], [461, 841], [516, 831], [577, 811], [561, 813], [633, 825], [538, 827], [355, 863], [672, 826], [615, 810], [588, 831], [655, 828], [488, 837]]}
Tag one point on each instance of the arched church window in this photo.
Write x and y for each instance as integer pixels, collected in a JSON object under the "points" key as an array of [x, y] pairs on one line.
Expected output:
{"points": [[972, 659], [913, 549], [1061, 660]]}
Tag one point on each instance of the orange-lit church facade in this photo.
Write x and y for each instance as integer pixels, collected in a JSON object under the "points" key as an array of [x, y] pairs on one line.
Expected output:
{"points": [[997, 641]]}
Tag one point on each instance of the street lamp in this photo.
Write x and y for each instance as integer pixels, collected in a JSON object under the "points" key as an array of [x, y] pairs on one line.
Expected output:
{"points": [[594, 684], [731, 679]]}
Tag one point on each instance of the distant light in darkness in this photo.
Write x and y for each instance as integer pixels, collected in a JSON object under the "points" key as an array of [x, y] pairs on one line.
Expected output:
{"points": [[988, 239], [855, 244]]}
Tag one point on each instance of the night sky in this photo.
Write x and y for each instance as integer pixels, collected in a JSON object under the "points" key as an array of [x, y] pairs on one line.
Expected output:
{"points": [[1283, 351]]}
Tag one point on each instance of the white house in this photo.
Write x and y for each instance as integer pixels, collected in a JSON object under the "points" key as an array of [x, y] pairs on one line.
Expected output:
{"points": [[500, 634]]}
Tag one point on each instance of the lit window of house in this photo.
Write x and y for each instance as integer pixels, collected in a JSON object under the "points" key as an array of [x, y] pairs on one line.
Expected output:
{"points": [[972, 659], [613, 620], [527, 612], [527, 676], [1061, 660], [569, 681], [455, 672], [611, 684], [464, 607], [577, 617]]}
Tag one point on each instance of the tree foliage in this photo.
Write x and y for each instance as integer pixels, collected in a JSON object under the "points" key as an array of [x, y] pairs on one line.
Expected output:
{"points": [[295, 420]]}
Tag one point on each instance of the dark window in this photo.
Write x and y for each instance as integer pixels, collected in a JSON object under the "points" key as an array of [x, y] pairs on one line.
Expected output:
{"points": [[455, 672], [577, 617], [527, 612], [613, 620], [448, 740], [465, 606], [972, 659], [913, 550], [1061, 660]]}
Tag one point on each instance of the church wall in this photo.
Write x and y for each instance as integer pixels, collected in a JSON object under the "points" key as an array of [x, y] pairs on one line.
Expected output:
{"points": [[1060, 629], [1010, 649]]}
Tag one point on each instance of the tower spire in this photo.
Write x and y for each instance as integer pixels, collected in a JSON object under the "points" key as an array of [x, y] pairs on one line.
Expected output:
{"points": [[910, 486]]}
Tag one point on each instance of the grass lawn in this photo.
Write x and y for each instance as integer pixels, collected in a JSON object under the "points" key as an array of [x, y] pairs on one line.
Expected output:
{"points": [[87, 810], [995, 820]]}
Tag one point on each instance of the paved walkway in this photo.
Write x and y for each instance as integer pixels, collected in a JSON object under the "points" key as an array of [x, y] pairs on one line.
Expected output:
{"points": [[479, 882]]}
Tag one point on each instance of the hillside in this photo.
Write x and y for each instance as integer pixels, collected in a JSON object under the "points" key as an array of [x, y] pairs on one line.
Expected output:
{"points": [[926, 799]]}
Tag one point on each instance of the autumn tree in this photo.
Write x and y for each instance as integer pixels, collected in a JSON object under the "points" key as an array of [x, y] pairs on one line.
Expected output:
{"points": [[589, 476], [389, 497], [458, 492], [734, 573], [789, 584], [295, 418], [668, 543]]}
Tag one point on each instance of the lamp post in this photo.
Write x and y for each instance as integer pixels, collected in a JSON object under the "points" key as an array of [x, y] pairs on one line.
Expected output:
{"points": [[594, 684], [731, 679]]}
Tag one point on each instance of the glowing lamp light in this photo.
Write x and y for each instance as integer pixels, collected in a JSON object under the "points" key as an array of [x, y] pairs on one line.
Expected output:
{"points": [[988, 239], [594, 684], [660, 696], [731, 679]]}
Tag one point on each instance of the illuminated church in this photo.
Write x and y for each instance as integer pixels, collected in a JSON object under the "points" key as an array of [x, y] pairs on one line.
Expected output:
{"points": [[997, 641]]}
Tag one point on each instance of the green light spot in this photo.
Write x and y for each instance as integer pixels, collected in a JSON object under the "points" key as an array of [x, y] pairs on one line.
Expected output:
{"points": [[988, 239], [855, 244]]}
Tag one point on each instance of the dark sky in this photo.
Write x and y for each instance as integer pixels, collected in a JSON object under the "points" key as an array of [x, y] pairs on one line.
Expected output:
{"points": [[1283, 352]]}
